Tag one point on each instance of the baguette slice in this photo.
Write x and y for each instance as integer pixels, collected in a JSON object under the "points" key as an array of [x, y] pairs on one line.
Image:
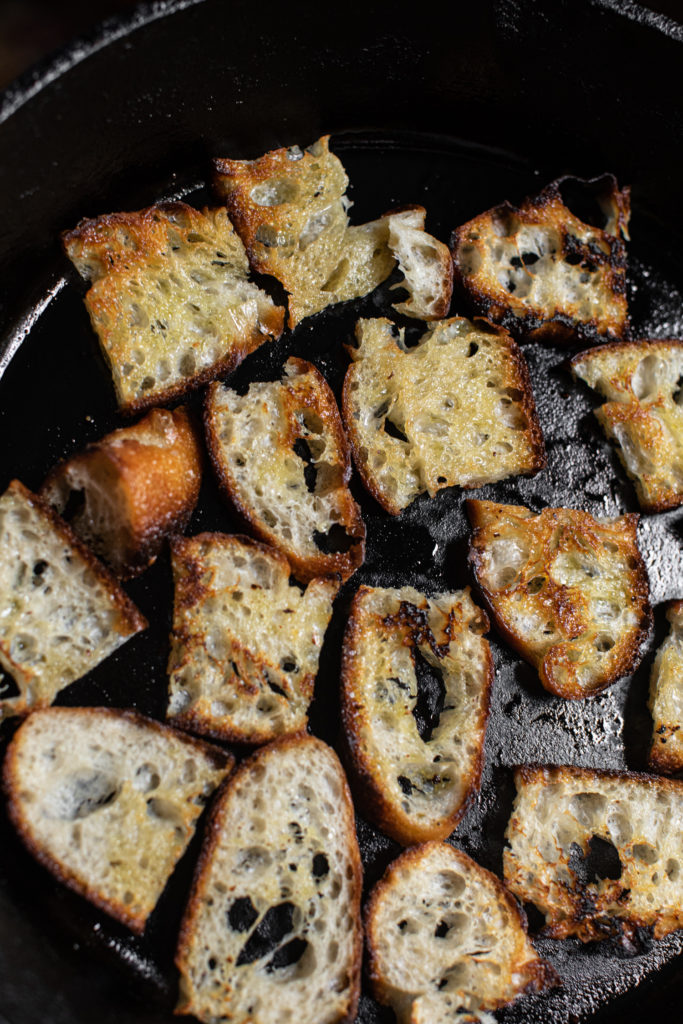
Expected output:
{"points": [[61, 611], [541, 272], [282, 460], [446, 941], [245, 642], [425, 263], [561, 818], [272, 931], [133, 488], [416, 677], [170, 299], [457, 409], [569, 592], [666, 697], [644, 413], [108, 800]]}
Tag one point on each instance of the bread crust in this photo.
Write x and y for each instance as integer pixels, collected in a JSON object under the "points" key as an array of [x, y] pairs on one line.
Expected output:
{"points": [[666, 681]]}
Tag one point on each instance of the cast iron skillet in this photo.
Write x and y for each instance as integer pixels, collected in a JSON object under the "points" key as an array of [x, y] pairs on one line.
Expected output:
{"points": [[457, 116]]}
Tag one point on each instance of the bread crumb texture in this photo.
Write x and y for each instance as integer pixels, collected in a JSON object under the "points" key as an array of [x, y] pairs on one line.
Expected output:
{"points": [[282, 458], [245, 642], [643, 382], [599, 853], [456, 409], [61, 612], [569, 592], [666, 697], [446, 941], [416, 679], [540, 271], [170, 299], [108, 801], [272, 932]]}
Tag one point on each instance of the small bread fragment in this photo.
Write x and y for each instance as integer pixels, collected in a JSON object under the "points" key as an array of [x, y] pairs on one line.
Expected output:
{"points": [[416, 677], [108, 801], [272, 931], [61, 611], [644, 413], [170, 299], [132, 489], [666, 697], [542, 273], [425, 263], [598, 852], [569, 592], [282, 460], [245, 642], [456, 409], [446, 941]]}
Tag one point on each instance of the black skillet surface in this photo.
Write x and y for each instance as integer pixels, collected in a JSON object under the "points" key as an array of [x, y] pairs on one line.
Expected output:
{"points": [[514, 95]]}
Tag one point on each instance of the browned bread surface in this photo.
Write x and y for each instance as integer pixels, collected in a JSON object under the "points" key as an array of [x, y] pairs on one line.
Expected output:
{"points": [[136, 486], [170, 299], [456, 409], [569, 592], [446, 941], [559, 816], [108, 801], [417, 756], [666, 697], [643, 414], [541, 272]]}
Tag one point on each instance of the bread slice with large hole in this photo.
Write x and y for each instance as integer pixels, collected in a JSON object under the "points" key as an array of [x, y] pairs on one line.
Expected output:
{"points": [[416, 677], [272, 931], [598, 852], [643, 382], [170, 299], [446, 942], [543, 273], [108, 801], [245, 642], [61, 611], [282, 460], [568, 591], [456, 409], [666, 697]]}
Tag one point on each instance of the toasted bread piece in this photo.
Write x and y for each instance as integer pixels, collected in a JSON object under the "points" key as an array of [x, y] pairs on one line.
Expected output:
{"points": [[290, 209], [446, 941], [455, 409], [569, 592], [541, 272], [245, 642], [282, 459], [416, 677], [132, 489], [108, 800], [561, 820], [666, 697], [272, 932], [61, 611], [170, 299], [644, 413]]}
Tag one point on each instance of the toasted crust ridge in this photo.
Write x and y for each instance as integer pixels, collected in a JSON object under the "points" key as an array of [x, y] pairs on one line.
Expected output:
{"points": [[666, 693]]}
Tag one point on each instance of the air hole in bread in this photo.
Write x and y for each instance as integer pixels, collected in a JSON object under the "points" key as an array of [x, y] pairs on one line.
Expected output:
{"points": [[321, 865], [242, 914], [431, 694], [302, 449], [287, 955], [276, 923], [146, 778], [393, 430], [600, 861], [83, 794], [335, 541], [643, 851]]}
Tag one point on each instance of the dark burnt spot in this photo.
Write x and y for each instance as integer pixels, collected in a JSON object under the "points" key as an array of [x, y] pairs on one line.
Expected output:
{"points": [[414, 622]]}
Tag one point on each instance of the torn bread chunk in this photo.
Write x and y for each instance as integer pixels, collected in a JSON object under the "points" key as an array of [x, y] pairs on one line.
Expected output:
{"points": [[108, 801], [170, 299], [416, 677], [642, 381], [245, 642], [282, 459], [542, 273], [666, 697], [569, 592], [127, 492], [447, 943], [61, 611], [598, 852], [456, 409], [272, 931], [290, 209]]}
